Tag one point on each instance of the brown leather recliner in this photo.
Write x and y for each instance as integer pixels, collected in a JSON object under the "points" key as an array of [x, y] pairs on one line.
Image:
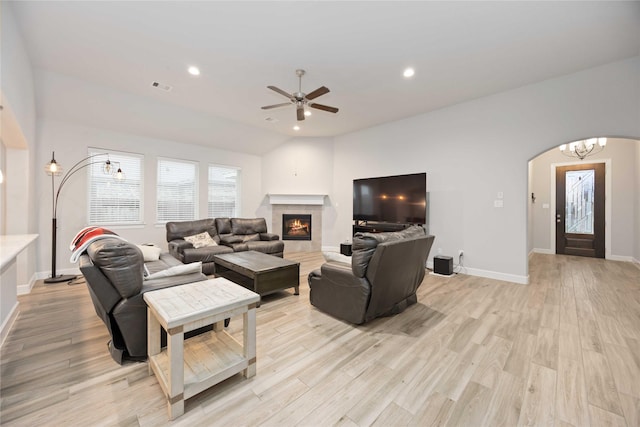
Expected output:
{"points": [[385, 272]]}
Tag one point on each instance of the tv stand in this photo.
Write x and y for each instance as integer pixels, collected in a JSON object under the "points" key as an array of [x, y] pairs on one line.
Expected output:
{"points": [[377, 227]]}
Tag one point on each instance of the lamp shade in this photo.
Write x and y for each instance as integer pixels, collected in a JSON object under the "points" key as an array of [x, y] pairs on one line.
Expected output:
{"points": [[53, 168]]}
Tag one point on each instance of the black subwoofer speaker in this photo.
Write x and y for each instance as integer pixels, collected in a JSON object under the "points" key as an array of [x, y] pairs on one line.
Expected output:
{"points": [[443, 265]]}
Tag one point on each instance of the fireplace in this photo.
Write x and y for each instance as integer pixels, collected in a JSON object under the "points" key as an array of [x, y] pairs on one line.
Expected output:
{"points": [[296, 227]]}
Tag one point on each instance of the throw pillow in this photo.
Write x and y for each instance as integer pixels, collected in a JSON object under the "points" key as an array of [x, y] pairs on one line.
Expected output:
{"points": [[201, 240], [149, 253], [336, 257], [177, 270]]}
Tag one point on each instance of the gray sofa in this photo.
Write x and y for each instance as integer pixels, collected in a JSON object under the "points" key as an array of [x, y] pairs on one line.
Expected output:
{"points": [[229, 234], [114, 271], [386, 270]]}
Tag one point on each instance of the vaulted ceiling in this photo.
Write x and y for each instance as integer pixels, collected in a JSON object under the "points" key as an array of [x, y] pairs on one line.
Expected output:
{"points": [[95, 61]]}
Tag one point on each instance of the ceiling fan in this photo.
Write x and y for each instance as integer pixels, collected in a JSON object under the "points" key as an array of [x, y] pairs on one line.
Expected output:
{"points": [[300, 99]]}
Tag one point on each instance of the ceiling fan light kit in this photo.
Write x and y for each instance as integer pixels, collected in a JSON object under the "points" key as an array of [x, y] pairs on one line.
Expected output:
{"points": [[301, 99]]}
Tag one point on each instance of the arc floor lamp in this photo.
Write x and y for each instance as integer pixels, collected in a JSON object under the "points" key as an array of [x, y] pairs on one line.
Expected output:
{"points": [[54, 169]]}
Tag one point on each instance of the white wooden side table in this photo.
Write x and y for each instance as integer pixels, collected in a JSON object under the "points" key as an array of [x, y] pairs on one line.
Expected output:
{"points": [[186, 368]]}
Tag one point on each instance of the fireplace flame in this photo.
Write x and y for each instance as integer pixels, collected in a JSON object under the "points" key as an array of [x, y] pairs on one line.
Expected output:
{"points": [[297, 225]]}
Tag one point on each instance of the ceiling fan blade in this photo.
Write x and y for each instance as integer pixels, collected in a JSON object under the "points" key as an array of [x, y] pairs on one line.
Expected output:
{"points": [[268, 107], [318, 92], [323, 107], [280, 91], [300, 112]]}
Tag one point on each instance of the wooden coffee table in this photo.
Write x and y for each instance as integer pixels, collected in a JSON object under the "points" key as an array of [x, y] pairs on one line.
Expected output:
{"points": [[186, 368], [261, 273]]}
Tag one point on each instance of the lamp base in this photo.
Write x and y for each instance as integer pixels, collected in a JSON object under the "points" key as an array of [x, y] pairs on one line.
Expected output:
{"points": [[60, 278]]}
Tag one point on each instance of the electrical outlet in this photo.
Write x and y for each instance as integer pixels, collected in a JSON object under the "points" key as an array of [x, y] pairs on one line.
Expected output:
{"points": [[460, 253]]}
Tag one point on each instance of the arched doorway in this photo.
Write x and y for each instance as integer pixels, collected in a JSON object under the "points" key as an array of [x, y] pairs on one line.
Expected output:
{"points": [[621, 159]]}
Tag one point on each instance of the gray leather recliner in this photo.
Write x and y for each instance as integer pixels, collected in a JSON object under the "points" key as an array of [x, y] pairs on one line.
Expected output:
{"points": [[113, 270], [385, 272]]}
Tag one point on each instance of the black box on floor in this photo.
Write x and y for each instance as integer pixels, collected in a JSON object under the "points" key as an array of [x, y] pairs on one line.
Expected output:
{"points": [[443, 265], [345, 249]]}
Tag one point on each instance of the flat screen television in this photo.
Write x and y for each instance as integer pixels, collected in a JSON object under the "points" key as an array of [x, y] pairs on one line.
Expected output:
{"points": [[399, 199]]}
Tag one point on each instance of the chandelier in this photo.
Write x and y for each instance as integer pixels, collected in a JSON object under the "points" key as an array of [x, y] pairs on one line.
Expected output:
{"points": [[582, 149]]}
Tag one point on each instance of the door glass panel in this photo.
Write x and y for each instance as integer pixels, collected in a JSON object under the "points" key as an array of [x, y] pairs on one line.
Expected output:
{"points": [[579, 197]]}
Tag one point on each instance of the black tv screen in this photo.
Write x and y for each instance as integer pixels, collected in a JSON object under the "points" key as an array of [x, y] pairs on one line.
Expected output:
{"points": [[400, 199]]}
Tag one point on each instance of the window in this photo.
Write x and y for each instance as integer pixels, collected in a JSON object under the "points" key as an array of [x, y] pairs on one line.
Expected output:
{"points": [[177, 190], [111, 201], [224, 182]]}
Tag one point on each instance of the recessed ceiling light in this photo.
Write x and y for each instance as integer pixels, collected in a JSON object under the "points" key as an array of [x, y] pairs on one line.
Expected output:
{"points": [[307, 113], [296, 127], [194, 71], [409, 72]]}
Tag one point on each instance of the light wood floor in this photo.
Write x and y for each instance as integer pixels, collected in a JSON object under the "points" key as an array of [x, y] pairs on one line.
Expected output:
{"points": [[563, 351]]}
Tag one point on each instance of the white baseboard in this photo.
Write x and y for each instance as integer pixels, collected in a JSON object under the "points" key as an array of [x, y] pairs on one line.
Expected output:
{"points": [[514, 278], [8, 323], [330, 249], [608, 256], [612, 257], [523, 280], [543, 251], [26, 288]]}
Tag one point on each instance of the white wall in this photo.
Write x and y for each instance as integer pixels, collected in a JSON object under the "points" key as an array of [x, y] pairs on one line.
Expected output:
{"points": [[636, 252], [301, 166], [474, 150], [18, 139], [621, 156], [3, 202], [70, 143]]}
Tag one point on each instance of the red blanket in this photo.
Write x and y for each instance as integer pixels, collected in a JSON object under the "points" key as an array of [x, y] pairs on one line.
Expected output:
{"points": [[84, 238]]}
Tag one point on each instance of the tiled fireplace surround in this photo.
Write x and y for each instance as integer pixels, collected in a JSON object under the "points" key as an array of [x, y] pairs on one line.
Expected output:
{"points": [[298, 204]]}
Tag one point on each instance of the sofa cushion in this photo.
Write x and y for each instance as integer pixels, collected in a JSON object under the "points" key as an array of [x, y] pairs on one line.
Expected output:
{"points": [[251, 237], [201, 240], [266, 246], [150, 253], [223, 225], [204, 254], [230, 239], [244, 226], [180, 229]]}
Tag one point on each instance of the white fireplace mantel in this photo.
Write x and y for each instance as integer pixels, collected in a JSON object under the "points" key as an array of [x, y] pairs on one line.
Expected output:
{"points": [[296, 199]]}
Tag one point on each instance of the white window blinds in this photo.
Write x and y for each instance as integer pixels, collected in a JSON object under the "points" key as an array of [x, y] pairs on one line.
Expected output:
{"points": [[223, 192], [112, 201], [177, 196]]}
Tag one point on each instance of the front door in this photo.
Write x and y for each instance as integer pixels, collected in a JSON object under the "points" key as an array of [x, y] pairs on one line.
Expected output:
{"points": [[580, 194]]}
